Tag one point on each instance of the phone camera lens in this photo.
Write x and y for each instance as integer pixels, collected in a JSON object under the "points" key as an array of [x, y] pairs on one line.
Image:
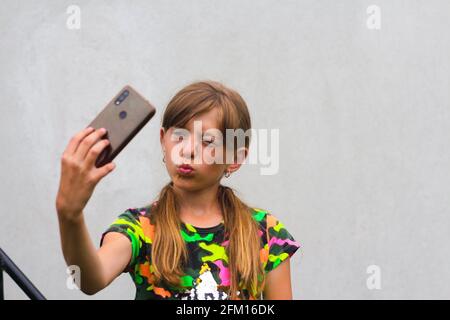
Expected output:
{"points": [[121, 97]]}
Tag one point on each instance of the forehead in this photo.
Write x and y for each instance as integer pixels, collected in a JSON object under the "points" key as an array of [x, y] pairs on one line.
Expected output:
{"points": [[209, 120]]}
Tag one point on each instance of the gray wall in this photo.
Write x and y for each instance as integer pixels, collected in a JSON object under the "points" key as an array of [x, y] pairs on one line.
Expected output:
{"points": [[363, 117]]}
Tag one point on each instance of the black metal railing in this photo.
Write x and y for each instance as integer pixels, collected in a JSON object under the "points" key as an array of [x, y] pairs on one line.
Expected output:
{"points": [[6, 264]]}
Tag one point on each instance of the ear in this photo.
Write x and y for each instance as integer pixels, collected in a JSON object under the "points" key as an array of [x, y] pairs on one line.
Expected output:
{"points": [[241, 154], [161, 135]]}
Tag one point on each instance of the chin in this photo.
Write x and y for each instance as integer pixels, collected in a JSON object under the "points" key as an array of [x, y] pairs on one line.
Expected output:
{"points": [[186, 183]]}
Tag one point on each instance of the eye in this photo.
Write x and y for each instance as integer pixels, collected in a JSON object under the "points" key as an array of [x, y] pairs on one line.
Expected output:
{"points": [[208, 140], [178, 136]]}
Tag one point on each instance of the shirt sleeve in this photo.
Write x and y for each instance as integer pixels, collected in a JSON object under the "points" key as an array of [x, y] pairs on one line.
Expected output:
{"points": [[128, 224], [281, 243]]}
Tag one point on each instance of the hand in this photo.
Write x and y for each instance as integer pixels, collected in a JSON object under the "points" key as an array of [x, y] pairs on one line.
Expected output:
{"points": [[79, 175]]}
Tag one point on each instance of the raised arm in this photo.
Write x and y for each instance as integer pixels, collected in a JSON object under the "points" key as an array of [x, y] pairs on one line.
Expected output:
{"points": [[79, 176]]}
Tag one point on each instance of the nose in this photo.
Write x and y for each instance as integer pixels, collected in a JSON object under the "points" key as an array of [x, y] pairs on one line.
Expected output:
{"points": [[190, 148]]}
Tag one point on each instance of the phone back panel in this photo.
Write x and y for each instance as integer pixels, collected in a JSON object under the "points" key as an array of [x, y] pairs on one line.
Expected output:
{"points": [[123, 117]]}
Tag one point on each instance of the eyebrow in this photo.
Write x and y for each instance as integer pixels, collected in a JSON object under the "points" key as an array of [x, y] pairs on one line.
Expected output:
{"points": [[203, 129]]}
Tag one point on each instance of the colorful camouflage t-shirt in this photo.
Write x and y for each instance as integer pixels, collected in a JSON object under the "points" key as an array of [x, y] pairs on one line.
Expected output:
{"points": [[206, 274]]}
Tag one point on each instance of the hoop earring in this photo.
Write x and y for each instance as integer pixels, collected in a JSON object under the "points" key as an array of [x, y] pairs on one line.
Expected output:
{"points": [[227, 174]]}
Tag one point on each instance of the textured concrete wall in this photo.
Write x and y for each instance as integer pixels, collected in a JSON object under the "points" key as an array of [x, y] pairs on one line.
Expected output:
{"points": [[363, 116]]}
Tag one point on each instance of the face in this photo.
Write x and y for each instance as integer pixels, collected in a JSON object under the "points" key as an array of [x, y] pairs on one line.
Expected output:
{"points": [[199, 145]]}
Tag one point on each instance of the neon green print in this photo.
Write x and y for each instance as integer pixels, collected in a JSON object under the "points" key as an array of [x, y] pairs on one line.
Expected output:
{"points": [[278, 227], [277, 259], [134, 245], [217, 251], [259, 215], [136, 226], [187, 281], [190, 227], [137, 278], [205, 273], [196, 237]]}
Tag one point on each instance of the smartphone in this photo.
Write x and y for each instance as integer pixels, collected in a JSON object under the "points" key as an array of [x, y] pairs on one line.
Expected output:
{"points": [[123, 117]]}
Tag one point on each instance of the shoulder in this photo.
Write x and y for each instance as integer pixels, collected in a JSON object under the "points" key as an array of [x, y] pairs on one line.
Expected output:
{"points": [[136, 218], [131, 215], [269, 223], [264, 217], [258, 213], [140, 213], [277, 241], [143, 216]]}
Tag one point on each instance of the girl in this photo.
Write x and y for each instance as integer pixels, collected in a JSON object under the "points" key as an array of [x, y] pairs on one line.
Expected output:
{"points": [[197, 239]]}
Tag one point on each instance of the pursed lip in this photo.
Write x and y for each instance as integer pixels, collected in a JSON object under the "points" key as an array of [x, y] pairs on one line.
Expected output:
{"points": [[185, 167]]}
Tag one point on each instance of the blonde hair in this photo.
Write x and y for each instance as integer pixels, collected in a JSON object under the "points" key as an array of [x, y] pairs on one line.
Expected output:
{"points": [[169, 251]]}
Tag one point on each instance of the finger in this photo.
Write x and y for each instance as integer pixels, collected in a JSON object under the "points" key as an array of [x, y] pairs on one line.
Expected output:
{"points": [[103, 171], [87, 143], [95, 151], [76, 139]]}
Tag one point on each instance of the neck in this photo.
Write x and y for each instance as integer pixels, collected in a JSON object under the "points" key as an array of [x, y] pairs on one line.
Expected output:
{"points": [[202, 204]]}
